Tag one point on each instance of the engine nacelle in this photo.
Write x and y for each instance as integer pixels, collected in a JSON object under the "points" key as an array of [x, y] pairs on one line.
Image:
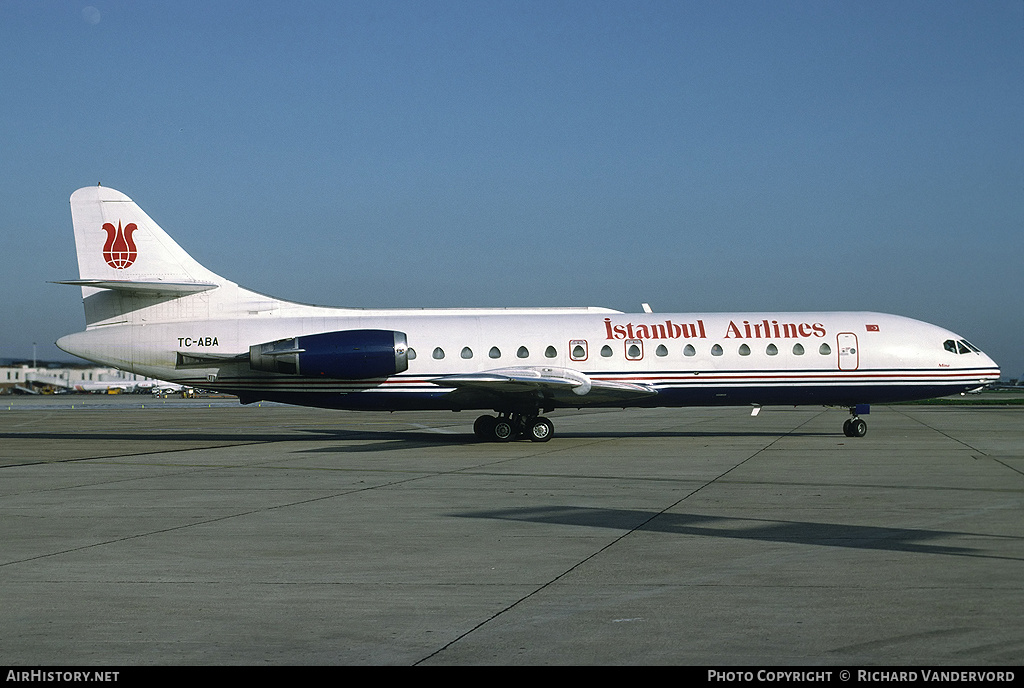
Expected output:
{"points": [[343, 355]]}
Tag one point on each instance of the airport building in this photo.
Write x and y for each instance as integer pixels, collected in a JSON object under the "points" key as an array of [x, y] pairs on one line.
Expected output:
{"points": [[23, 378]]}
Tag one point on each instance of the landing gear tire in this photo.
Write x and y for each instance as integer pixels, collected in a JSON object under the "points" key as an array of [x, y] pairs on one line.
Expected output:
{"points": [[483, 428], [503, 430], [855, 427], [540, 430]]}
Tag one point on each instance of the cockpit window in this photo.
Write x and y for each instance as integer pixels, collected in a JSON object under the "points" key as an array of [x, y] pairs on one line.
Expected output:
{"points": [[960, 347]]}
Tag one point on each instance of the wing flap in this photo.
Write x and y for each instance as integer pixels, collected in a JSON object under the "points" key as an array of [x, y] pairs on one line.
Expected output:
{"points": [[563, 385]]}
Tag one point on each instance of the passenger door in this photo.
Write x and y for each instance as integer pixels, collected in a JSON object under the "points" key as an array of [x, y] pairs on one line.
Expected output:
{"points": [[849, 355]]}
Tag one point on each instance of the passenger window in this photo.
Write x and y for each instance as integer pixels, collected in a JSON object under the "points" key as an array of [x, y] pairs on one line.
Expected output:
{"points": [[495, 352], [824, 349], [578, 350], [410, 353], [467, 352], [523, 352], [688, 350], [772, 350], [716, 350], [744, 350], [634, 349], [550, 352], [662, 350], [798, 349], [438, 353], [606, 351]]}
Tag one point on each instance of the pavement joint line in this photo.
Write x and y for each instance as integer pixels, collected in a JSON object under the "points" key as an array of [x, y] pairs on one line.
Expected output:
{"points": [[250, 512], [607, 545], [938, 430]]}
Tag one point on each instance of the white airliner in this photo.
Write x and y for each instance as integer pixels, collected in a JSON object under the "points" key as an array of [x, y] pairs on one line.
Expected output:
{"points": [[150, 308], [126, 387]]}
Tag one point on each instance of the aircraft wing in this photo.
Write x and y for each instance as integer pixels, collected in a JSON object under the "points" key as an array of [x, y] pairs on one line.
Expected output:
{"points": [[563, 385]]}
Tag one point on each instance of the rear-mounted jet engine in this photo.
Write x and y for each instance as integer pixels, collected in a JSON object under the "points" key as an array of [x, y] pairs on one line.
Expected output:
{"points": [[343, 355]]}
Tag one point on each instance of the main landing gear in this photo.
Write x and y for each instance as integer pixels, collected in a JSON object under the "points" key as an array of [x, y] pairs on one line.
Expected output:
{"points": [[508, 426]]}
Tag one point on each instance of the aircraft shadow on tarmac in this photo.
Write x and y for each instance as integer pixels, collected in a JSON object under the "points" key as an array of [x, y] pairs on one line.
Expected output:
{"points": [[391, 439], [145, 436], [353, 441], [796, 532], [385, 441]]}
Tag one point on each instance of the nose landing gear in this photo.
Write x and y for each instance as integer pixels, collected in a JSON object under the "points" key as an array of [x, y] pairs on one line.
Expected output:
{"points": [[855, 425]]}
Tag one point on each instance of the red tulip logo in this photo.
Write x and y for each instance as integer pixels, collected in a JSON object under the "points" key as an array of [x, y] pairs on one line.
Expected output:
{"points": [[119, 250]]}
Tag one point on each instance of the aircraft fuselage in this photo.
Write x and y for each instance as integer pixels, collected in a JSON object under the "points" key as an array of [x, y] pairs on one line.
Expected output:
{"points": [[835, 358]]}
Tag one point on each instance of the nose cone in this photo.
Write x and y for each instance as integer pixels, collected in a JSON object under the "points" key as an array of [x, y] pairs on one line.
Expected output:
{"points": [[994, 372], [988, 370]]}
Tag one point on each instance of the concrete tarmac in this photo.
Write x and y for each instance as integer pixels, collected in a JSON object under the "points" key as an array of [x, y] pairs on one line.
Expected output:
{"points": [[199, 532]]}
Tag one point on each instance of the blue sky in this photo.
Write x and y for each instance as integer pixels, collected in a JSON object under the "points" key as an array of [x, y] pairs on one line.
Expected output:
{"points": [[710, 156]]}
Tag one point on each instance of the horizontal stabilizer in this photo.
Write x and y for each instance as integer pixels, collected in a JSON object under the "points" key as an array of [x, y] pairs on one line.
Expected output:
{"points": [[143, 287]]}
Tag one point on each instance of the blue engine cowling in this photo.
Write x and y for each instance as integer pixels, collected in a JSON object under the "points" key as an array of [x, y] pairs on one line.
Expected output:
{"points": [[342, 355]]}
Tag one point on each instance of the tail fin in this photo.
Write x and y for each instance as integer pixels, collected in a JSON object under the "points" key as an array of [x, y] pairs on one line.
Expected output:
{"points": [[127, 264], [119, 244]]}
